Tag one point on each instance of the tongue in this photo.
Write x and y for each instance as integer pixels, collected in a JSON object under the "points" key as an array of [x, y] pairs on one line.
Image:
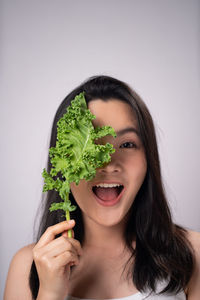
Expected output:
{"points": [[106, 194]]}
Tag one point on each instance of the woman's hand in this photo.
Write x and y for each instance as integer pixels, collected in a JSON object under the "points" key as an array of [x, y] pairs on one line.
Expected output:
{"points": [[53, 258]]}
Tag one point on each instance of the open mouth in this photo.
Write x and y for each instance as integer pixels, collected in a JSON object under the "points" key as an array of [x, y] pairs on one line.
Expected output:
{"points": [[107, 192]]}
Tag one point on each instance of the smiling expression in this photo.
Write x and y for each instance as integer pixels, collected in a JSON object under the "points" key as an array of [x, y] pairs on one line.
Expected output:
{"points": [[127, 168]]}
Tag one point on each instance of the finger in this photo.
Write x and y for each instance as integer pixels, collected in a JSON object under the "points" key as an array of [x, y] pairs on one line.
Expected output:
{"points": [[52, 231], [60, 245], [65, 233], [66, 258], [77, 245]]}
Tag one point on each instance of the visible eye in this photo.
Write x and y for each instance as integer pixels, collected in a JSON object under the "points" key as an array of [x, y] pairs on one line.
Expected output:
{"points": [[128, 145]]}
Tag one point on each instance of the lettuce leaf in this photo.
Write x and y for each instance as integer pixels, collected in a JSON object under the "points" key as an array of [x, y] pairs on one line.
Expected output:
{"points": [[76, 155]]}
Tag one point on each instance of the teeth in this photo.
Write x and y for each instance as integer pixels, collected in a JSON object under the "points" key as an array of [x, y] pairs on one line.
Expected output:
{"points": [[108, 185]]}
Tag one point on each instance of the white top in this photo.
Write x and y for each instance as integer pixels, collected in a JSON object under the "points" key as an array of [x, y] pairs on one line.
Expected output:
{"points": [[143, 296]]}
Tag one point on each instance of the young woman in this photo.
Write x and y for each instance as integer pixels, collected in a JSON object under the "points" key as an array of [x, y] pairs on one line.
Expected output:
{"points": [[124, 242]]}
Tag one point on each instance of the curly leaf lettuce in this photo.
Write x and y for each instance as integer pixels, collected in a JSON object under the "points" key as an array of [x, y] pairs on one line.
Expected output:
{"points": [[76, 156]]}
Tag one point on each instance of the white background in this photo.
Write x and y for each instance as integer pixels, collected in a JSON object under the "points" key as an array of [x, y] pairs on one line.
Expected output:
{"points": [[49, 47]]}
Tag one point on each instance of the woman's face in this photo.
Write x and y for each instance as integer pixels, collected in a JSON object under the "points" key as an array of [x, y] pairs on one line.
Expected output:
{"points": [[108, 197]]}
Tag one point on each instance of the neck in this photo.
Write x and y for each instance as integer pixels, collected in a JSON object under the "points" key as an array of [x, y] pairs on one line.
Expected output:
{"points": [[103, 237]]}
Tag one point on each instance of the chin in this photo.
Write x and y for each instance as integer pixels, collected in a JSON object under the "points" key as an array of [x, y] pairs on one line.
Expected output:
{"points": [[107, 220]]}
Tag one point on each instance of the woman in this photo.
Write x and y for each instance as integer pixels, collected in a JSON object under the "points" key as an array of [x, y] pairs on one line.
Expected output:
{"points": [[125, 243]]}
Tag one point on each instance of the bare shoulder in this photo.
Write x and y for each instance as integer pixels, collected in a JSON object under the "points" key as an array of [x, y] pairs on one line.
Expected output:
{"points": [[194, 238], [17, 283], [22, 259], [24, 253], [194, 284]]}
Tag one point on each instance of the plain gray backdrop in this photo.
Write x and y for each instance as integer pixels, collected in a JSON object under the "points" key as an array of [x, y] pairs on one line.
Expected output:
{"points": [[49, 47]]}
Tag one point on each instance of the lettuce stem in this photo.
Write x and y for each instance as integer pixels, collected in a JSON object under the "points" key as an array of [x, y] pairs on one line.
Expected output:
{"points": [[67, 215]]}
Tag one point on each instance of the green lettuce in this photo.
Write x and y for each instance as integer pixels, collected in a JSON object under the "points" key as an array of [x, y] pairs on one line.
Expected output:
{"points": [[76, 155]]}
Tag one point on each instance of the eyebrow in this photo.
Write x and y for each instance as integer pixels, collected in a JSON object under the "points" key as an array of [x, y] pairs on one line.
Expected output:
{"points": [[126, 130]]}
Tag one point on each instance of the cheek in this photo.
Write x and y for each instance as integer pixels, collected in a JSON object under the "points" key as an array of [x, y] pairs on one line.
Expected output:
{"points": [[79, 191], [137, 171], [143, 169]]}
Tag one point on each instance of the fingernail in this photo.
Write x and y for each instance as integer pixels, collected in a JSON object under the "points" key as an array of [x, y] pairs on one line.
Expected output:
{"points": [[71, 222]]}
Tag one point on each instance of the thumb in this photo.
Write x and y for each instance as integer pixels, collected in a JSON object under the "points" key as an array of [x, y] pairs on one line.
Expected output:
{"points": [[65, 233]]}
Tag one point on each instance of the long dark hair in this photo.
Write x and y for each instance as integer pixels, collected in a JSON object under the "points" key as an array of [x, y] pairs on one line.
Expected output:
{"points": [[162, 250]]}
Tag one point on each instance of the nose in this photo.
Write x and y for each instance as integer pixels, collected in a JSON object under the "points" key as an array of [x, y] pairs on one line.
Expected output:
{"points": [[113, 166]]}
